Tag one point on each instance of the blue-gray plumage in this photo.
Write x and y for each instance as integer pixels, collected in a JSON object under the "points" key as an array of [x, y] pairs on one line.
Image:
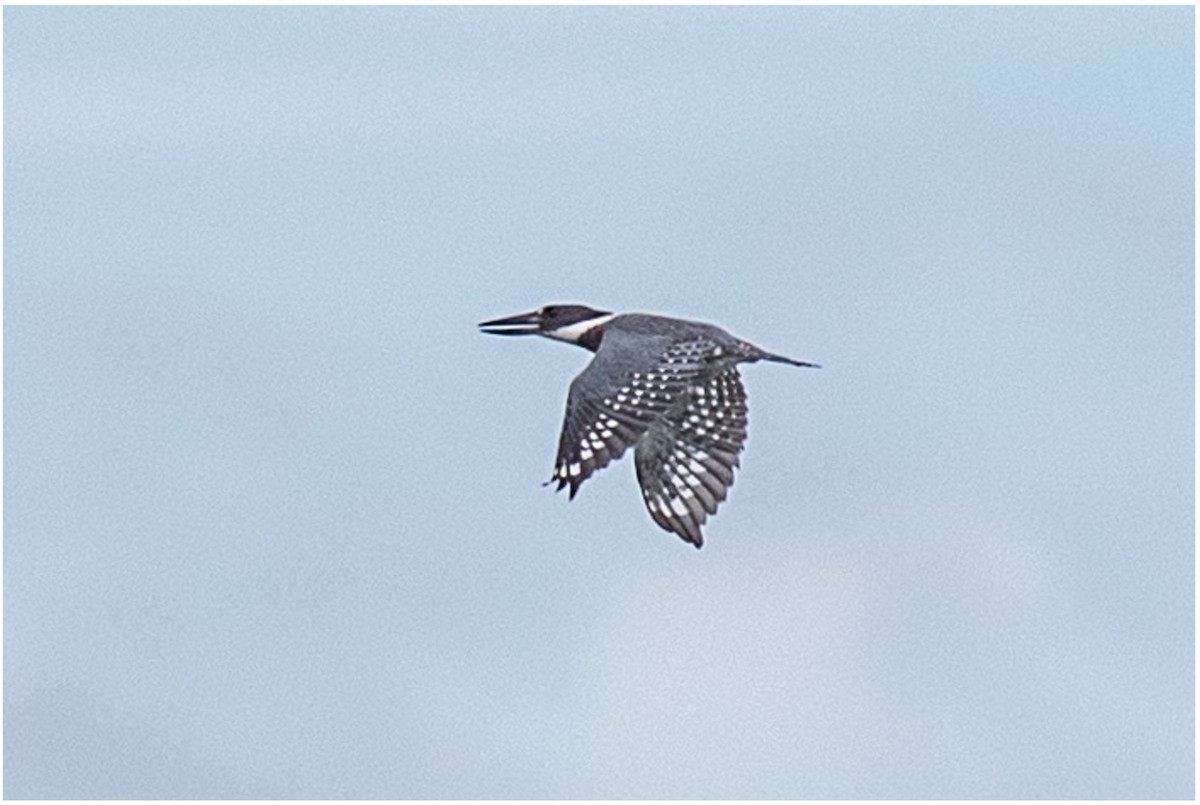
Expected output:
{"points": [[668, 387]]}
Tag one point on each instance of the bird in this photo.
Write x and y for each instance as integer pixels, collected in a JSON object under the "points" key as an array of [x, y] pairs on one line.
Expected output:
{"points": [[667, 387]]}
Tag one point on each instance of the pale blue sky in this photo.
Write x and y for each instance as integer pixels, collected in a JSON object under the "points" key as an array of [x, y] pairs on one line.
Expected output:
{"points": [[274, 522]]}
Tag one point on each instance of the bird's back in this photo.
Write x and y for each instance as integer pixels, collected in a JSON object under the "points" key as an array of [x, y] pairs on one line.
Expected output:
{"points": [[643, 325]]}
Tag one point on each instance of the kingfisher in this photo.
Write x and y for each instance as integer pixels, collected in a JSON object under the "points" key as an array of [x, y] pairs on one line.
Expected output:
{"points": [[667, 387]]}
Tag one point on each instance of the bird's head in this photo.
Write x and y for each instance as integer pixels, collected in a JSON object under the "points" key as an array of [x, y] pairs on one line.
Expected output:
{"points": [[575, 324]]}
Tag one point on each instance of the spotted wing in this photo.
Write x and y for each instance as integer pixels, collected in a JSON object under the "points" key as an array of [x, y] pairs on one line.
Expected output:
{"points": [[610, 406], [685, 462]]}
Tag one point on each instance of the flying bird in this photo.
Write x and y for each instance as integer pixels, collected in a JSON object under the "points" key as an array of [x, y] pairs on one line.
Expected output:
{"points": [[669, 388]]}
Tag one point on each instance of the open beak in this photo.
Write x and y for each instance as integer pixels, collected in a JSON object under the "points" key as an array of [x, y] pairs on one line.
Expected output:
{"points": [[522, 324]]}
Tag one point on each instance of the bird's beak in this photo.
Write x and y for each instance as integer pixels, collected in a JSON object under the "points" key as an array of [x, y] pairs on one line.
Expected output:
{"points": [[523, 324]]}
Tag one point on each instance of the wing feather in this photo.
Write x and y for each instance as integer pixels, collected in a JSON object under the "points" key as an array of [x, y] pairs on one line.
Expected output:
{"points": [[686, 460], [610, 407]]}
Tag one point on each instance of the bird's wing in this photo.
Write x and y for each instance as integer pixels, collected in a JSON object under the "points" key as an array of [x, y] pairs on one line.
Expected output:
{"points": [[685, 461], [610, 406]]}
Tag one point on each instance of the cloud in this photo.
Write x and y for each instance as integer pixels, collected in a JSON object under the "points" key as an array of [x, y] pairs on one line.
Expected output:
{"points": [[931, 656], [79, 111]]}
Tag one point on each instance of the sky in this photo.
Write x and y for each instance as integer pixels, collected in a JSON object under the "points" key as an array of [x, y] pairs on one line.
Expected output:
{"points": [[274, 522]]}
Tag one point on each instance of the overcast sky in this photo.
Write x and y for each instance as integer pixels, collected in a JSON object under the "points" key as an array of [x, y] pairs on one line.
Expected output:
{"points": [[274, 521]]}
